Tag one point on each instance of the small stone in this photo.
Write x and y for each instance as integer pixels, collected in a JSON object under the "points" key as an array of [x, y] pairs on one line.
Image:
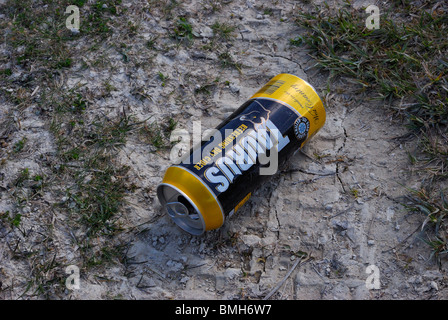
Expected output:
{"points": [[232, 273], [322, 239], [184, 280], [251, 240], [146, 282], [175, 266], [433, 285], [259, 16], [340, 225], [371, 242], [415, 280], [234, 89], [206, 32]]}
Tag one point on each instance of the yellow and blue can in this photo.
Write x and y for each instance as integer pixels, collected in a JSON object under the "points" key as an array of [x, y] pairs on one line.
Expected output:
{"points": [[217, 177]]}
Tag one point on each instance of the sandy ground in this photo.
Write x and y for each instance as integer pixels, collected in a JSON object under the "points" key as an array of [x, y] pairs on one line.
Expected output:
{"points": [[339, 200]]}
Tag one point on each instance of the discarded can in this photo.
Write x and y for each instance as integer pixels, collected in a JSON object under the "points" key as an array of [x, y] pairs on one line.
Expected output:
{"points": [[216, 178]]}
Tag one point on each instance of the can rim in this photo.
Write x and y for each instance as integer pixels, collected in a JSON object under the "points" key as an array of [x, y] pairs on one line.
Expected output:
{"points": [[180, 222]]}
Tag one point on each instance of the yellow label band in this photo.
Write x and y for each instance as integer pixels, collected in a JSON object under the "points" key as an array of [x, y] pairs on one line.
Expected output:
{"points": [[300, 95], [239, 205]]}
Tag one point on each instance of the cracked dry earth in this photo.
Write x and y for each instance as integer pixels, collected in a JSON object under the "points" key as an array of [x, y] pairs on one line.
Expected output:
{"points": [[339, 201]]}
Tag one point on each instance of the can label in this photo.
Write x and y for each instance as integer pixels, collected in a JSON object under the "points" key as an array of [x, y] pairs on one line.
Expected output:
{"points": [[264, 127]]}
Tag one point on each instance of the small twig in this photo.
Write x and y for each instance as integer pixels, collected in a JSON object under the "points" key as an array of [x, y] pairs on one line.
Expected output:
{"points": [[343, 211], [286, 277], [314, 179], [401, 242]]}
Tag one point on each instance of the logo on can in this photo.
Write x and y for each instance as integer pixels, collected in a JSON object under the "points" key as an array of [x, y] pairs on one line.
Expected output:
{"points": [[301, 128]]}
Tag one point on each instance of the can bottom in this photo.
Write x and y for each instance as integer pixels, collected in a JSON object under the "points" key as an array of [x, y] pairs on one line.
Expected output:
{"points": [[181, 209]]}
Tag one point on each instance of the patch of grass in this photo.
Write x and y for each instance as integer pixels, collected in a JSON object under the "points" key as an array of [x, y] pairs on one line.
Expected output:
{"points": [[433, 145], [7, 72], [400, 60], [205, 88], [62, 103], [64, 63], [23, 175], [39, 36], [89, 151], [227, 61], [158, 134], [108, 87], [46, 277], [166, 7], [223, 31], [151, 43], [133, 28], [72, 154], [182, 30], [104, 256], [404, 64], [354, 192], [99, 18], [95, 184], [433, 205], [268, 11], [99, 200], [109, 135], [297, 41], [19, 145], [163, 78], [85, 165], [13, 221]]}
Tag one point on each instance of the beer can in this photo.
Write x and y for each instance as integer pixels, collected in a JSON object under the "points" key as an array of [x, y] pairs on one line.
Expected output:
{"points": [[218, 176]]}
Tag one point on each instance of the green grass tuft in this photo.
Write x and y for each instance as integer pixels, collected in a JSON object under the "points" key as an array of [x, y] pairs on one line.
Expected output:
{"points": [[403, 63]]}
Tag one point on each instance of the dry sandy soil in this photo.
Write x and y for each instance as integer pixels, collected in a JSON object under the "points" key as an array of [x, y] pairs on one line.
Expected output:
{"points": [[339, 202]]}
